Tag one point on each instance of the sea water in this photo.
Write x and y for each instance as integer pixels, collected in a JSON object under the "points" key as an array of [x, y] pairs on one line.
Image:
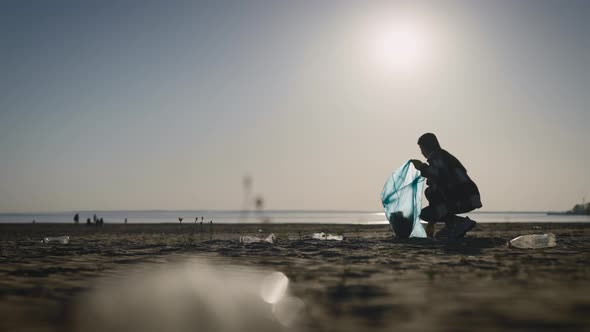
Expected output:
{"points": [[323, 217]]}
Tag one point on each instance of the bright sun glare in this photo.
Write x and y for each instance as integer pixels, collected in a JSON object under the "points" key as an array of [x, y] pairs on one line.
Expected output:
{"points": [[402, 45]]}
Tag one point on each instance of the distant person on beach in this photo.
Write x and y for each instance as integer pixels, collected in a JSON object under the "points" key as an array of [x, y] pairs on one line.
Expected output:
{"points": [[450, 191], [76, 218]]}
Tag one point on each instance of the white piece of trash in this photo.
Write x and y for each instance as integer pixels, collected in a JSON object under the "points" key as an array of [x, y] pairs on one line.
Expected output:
{"points": [[59, 239], [328, 237], [254, 239], [533, 241]]}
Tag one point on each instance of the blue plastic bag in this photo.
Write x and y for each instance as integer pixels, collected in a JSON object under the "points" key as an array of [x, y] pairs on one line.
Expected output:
{"points": [[402, 201]]}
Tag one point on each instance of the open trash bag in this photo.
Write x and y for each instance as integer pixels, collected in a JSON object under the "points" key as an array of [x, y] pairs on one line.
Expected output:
{"points": [[402, 201]]}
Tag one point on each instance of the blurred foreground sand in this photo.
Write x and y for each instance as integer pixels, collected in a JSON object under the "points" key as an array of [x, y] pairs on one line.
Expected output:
{"points": [[370, 281]]}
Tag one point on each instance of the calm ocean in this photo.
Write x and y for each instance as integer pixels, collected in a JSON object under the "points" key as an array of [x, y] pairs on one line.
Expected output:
{"points": [[327, 217]]}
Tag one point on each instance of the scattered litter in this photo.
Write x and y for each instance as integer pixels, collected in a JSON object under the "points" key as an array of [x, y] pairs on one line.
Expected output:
{"points": [[254, 239], [60, 239], [533, 241], [329, 237]]}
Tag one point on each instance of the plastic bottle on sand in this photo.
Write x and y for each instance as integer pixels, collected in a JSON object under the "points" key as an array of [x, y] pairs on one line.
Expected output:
{"points": [[253, 239], [59, 239], [533, 241]]}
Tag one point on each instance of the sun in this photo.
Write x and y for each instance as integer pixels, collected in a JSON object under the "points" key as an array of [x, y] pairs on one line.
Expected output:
{"points": [[402, 45]]}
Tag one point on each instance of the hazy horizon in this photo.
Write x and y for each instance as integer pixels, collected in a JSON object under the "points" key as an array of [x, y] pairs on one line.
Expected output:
{"points": [[237, 211], [143, 105]]}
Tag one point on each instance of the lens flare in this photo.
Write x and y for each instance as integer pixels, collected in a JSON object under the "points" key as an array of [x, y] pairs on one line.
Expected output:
{"points": [[274, 287], [288, 310]]}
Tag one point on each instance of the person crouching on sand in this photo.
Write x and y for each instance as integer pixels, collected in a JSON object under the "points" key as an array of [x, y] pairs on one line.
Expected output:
{"points": [[450, 191]]}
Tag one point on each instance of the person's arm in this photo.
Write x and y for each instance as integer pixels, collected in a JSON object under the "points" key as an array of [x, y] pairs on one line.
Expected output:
{"points": [[429, 171]]}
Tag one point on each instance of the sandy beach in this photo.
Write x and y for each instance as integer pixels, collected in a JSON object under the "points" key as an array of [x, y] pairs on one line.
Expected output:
{"points": [[369, 281]]}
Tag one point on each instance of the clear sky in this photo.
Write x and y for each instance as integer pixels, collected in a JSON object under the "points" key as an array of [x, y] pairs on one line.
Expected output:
{"points": [[169, 104]]}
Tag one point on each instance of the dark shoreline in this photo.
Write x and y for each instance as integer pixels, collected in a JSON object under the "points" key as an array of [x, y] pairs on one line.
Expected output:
{"points": [[7, 229]]}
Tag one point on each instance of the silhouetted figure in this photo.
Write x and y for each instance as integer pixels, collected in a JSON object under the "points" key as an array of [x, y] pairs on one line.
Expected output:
{"points": [[259, 209], [99, 222], [450, 190], [247, 187], [259, 203], [125, 221], [88, 222], [94, 218], [180, 219], [76, 219]]}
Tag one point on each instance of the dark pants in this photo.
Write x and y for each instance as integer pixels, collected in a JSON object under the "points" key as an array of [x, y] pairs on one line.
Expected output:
{"points": [[427, 214], [435, 200], [432, 213]]}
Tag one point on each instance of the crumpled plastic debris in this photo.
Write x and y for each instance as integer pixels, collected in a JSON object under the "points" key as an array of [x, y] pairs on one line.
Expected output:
{"points": [[327, 237], [254, 239]]}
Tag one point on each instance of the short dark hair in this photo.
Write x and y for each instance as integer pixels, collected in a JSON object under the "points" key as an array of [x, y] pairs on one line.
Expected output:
{"points": [[429, 141]]}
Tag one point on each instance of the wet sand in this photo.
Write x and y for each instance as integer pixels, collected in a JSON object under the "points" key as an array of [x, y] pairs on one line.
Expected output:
{"points": [[369, 281]]}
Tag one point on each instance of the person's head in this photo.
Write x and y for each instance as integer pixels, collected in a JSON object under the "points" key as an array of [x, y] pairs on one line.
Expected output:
{"points": [[428, 143]]}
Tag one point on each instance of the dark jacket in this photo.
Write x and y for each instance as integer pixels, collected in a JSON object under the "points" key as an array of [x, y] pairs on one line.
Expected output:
{"points": [[450, 190]]}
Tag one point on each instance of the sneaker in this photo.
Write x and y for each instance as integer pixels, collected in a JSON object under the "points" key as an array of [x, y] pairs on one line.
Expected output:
{"points": [[462, 227], [447, 233]]}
